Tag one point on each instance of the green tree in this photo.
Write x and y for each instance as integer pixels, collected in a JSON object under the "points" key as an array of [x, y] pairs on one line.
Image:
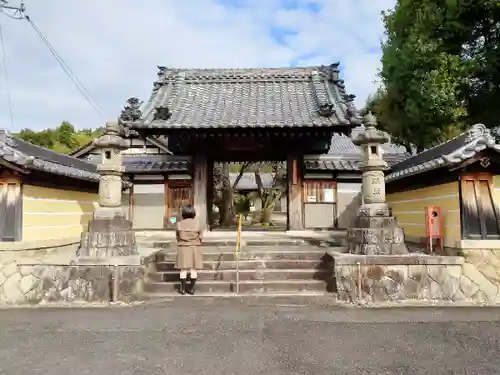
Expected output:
{"points": [[440, 69], [63, 138]]}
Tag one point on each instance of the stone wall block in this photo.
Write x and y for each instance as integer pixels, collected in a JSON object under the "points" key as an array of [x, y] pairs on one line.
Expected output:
{"points": [[436, 272], [417, 272], [412, 288], [455, 271], [2, 278], [435, 291], [490, 272], [471, 272], [493, 258], [450, 286], [496, 254], [398, 273], [10, 268], [25, 270], [459, 296], [375, 272], [480, 297], [467, 287], [379, 292], [10, 289], [131, 283], [29, 283]]}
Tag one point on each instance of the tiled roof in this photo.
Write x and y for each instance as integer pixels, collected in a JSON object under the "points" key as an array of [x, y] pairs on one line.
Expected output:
{"points": [[239, 98], [346, 156], [456, 150], [145, 164], [248, 182], [331, 165], [27, 156]]}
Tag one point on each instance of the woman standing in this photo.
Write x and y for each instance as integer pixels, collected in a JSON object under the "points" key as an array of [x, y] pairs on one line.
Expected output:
{"points": [[189, 257]]}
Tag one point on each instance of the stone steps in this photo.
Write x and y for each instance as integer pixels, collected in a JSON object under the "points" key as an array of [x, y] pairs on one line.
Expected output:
{"points": [[254, 264], [271, 268], [303, 296], [250, 244], [249, 274], [274, 254], [248, 286]]}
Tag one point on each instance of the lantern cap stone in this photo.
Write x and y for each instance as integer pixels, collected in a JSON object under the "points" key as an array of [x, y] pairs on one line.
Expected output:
{"points": [[369, 120]]}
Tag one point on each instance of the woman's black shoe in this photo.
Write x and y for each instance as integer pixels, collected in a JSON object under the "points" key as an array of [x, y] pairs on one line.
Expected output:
{"points": [[191, 287], [182, 289]]}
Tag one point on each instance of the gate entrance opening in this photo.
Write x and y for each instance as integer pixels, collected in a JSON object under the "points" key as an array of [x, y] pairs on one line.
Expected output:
{"points": [[256, 190]]}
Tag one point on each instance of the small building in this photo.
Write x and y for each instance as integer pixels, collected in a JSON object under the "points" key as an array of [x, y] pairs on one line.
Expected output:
{"points": [[247, 185], [462, 178], [43, 194]]}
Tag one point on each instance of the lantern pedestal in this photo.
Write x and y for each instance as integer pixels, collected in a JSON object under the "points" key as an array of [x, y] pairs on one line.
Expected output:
{"points": [[376, 231], [109, 233]]}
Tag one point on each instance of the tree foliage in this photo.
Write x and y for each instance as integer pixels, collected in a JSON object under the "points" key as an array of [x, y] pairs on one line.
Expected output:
{"points": [[440, 69], [63, 138]]}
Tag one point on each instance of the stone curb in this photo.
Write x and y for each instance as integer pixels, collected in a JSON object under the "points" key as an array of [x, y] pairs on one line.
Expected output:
{"points": [[73, 305], [84, 261], [413, 304], [38, 244], [380, 260]]}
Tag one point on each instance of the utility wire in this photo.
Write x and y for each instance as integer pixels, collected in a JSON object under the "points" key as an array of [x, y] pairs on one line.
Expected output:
{"points": [[72, 76], [4, 61]]}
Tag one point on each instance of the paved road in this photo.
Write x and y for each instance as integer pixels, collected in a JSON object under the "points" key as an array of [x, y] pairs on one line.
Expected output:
{"points": [[206, 336]]}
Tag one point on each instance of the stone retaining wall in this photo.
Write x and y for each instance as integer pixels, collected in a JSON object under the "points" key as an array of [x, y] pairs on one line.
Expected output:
{"points": [[48, 271], [25, 283], [416, 277]]}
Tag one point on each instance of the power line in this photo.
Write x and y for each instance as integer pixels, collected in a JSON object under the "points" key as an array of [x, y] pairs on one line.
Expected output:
{"points": [[19, 13], [71, 75], [6, 76]]}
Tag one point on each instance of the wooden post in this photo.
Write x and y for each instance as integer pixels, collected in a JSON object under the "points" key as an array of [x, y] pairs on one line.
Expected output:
{"points": [[294, 171], [200, 169], [131, 204], [166, 203]]}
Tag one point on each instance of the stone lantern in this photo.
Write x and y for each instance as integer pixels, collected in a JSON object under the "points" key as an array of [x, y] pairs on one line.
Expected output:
{"points": [[109, 232], [376, 230]]}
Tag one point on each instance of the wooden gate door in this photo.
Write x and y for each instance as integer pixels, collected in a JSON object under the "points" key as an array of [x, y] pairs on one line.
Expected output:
{"points": [[10, 207], [178, 194]]}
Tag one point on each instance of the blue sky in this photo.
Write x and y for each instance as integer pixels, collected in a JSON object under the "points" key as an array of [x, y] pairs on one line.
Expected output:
{"points": [[114, 49]]}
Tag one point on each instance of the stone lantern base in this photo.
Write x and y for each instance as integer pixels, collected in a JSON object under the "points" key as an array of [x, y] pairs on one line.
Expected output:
{"points": [[109, 234], [376, 232]]}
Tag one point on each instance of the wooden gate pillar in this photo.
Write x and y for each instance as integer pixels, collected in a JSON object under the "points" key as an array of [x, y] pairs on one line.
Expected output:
{"points": [[294, 172], [200, 181]]}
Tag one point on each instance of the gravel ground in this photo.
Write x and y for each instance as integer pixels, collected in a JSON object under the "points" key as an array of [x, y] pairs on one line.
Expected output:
{"points": [[249, 336]]}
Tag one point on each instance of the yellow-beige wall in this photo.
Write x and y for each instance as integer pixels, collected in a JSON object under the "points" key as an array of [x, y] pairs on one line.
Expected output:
{"points": [[409, 206], [52, 213]]}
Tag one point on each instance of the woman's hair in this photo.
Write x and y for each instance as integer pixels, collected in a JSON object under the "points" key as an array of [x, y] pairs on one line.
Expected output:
{"points": [[188, 212]]}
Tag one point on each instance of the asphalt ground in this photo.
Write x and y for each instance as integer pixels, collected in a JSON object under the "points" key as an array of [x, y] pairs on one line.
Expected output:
{"points": [[249, 336]]}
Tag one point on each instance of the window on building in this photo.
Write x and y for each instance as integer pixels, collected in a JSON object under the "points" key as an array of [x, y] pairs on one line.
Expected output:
{"points": [[478, 210], [320, 209]]}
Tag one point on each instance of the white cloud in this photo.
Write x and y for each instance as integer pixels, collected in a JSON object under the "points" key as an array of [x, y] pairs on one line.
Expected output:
{"points": [[115, 46]]}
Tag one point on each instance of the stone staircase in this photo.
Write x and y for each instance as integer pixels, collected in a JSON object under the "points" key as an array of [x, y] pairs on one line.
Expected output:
{"points": [[271, 268]]}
